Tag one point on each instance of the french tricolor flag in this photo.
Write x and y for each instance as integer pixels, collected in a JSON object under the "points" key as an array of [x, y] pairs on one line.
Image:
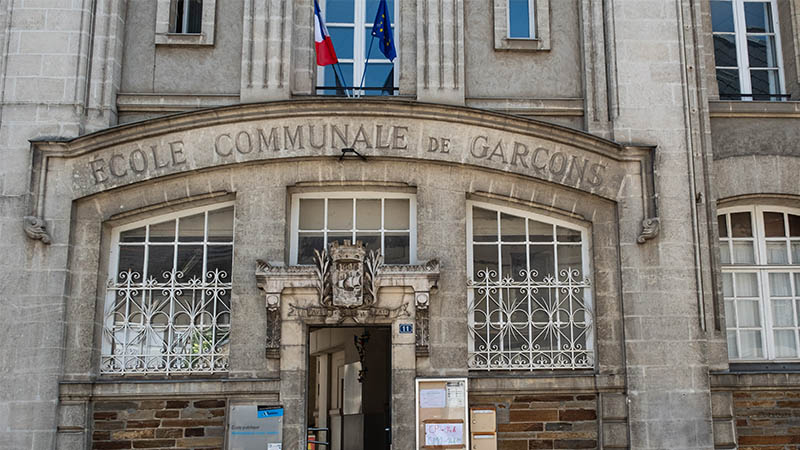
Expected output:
{"points": [[322, 40]]}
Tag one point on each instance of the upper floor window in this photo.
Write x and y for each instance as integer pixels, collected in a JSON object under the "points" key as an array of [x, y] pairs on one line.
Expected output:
{"points": [[382, 221], [530, 302], [760, 254], [747, 49], [349, 23], [187, 16], [168, 302], [521, 22]]}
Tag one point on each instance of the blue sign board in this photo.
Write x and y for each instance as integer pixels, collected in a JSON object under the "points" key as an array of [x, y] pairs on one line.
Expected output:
{"points": [[264, 413], [406, 328]]}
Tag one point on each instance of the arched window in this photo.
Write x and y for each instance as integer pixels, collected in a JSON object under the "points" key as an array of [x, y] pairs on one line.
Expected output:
{"points": [[760, 255], [529, 292], [168, 297]]}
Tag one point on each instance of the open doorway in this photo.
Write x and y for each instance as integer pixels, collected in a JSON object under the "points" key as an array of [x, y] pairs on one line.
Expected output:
{"points": [[349, 388]]}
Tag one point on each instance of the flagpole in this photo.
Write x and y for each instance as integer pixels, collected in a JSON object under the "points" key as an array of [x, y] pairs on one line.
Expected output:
{"points": [[366, 63], [341, 72]]}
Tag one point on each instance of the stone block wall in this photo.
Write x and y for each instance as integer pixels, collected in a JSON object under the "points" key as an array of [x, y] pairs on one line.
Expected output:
{"points": [[164, 424], [767, 419], [553, 421]]}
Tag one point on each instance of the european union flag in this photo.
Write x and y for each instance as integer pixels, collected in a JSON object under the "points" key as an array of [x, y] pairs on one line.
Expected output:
{"points": [[382, 29]]}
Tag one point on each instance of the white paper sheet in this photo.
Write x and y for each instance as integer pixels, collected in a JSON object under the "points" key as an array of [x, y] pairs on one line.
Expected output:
{"points": [[432, 398]]}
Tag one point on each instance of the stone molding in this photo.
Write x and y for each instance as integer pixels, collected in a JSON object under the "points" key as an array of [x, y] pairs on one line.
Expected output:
{"points": [[167, 103], [754, 109]]}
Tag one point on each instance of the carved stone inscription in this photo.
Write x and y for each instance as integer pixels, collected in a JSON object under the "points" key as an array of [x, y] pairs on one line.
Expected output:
{"points": [[294, 137]]}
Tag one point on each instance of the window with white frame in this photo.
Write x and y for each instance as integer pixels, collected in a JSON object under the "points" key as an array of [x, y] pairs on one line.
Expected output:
{"points": [[529, 294], [521, 25], [349, 23], [521, 20], [168, 302], [187, 16], [185, 22], [382, 221], [760, 255], [747, 49]]}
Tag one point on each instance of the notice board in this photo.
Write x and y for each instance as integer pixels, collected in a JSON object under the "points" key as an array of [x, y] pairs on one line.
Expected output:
{"points": [[442, 420], [255, 427]]}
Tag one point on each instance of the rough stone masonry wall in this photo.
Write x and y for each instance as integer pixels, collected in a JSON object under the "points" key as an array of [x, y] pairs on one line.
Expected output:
{"points": [[164, 424], [557, 421], [767, 419]]}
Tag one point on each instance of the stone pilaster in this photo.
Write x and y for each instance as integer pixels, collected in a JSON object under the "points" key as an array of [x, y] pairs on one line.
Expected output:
{"points": [[266, 50], [440, 51]]}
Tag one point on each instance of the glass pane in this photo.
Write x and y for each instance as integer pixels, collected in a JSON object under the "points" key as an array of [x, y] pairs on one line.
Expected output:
{"points": [[395, 213], [722, 16], [743, 252], [220, 225], [776, 253], [342, 38], [724, 252], [220, 258], [190, 229], [795, 252], [733, 350], [741, 226], [773, 224], [746, 285], [725, 50], [727, 284], [730, 314], [372, 10], [764, 82], [311, 213], [780, 285], [567, 235], [512, 228], [515, 260], [163, 232], [728, 84], [160, 262], [190, 262], [519, 18], [338, 11], [751, 344], [758, 17], [485, 260], [368, 214], [134, 235], [785, 344], [782, 313], [722, 222], [340, 214], [379, 75], [761, 51], [569, 259], [748, 313], [484, 225], [542, 261], [397, 249], [339, 237], [306, 244], [195, 22], [131, 257], [371, 241], [330, 78], [539, 231], [794, 225]]}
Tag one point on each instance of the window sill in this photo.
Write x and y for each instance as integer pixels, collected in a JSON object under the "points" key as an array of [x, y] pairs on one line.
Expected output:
{"points": [[755, 380], [753, 109], [522, 44], [183, 39]]}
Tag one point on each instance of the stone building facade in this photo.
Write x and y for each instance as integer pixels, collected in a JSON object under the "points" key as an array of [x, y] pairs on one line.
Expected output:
{"points": [[595, 223]]}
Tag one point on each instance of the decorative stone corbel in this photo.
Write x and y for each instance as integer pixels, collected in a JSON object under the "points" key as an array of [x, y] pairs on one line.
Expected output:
{"points": [[421, 301], [650, 228], [36, 229], [274, 325]]}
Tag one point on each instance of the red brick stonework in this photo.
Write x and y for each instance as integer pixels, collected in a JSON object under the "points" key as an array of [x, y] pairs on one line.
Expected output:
{"points": [[767, 420], [556, 421], [159, 424]]}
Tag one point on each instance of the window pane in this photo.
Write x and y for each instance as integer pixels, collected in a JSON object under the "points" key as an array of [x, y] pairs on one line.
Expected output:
{"points": [[135, 235], [728, 84], [782, 313], [518, 18], [785, 344], [746, 285], [514, 261], [372, 10], [730, 314], [163, 232], [484, 225], [220, 225], [339, 237], [569, 262], [780, 285], [371, 241], [338, 11], [741, 226], [724, 253], [379, 75], [733, 350], [397, 248], [743, 252], [375, 53], [311, 213], [540, 232], [368, 214], [484, 258], [330, 78], [749, 315], [195, 16], [395, 213], [722, 222], [512, 228], [751, 344], [190, 229], [725, 50], [764, 82], [722, 16], [794, 225], [131, 257], [340, 214], [761, 51], [220, 258], [727, 284], [160, 262], [342, 38], [776, 253], [306, 244], [190, 262], [758, 17], [567, 235], [773, 224], [795, 252], [542, 261]]}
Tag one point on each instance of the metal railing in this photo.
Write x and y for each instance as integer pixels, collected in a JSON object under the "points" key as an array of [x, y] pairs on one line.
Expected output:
{"points": [[315, 442]]}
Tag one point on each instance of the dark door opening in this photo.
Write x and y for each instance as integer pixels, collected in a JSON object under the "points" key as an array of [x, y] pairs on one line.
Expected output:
{"points": [[349, 388]]}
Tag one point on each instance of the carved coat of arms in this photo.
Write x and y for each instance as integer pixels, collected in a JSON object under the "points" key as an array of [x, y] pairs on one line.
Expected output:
{"points": [[348, 275]]}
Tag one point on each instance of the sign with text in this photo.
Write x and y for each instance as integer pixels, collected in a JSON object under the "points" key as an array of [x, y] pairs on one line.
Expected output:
{"points": [[442, 420], [444, 434], [255, 427]]}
